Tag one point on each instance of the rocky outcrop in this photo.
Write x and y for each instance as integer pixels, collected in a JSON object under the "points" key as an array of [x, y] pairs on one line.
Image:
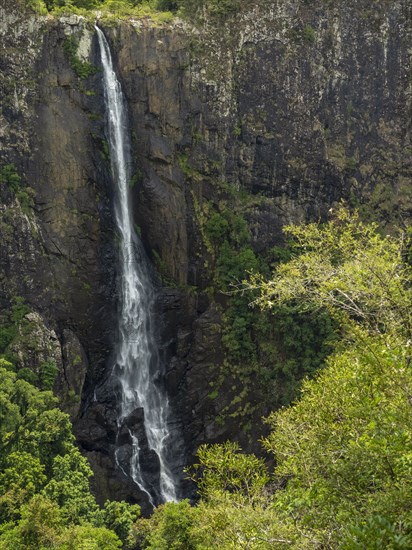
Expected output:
{"points": [[288, 107]]}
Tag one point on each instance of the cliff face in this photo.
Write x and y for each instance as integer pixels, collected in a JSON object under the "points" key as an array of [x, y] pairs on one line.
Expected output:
{"points": [[283, 109]]}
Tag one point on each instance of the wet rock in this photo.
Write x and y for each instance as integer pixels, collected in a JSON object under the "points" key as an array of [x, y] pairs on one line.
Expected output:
{"points": [[72, 376], [97, 429]]}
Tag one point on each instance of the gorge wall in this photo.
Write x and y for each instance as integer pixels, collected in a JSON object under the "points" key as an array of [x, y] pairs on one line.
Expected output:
{"points": [[268, 117]]}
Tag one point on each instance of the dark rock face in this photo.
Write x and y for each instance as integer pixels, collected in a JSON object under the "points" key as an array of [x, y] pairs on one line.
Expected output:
{"points": [[59, 255], [298, 106]]}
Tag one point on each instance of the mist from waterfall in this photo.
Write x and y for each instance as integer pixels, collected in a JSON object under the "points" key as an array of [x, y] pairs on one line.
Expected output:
{"points": [[137, 365]]}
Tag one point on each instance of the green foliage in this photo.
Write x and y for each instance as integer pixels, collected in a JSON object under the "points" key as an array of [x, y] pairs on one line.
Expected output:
{"points": [[291, 346], [223, 468], [28, 375], [39, 527], [170, 528], [83, 69], [351, 431], [119, 517], [232, 265], [167, 5], [350, 270], [227, 236], [10, 322], [351, 163], [345, 447], [187, 169], [269, 351], [235, 512], [69, 487], [30, 423], [42, 526], [217, 227], [161, 268], [136, 178], [23, 476], [376, 533], [158, 10], [70, 4], [237, 333], [108, 8], [309, 34], [19, 309], [15, 330], [38, 6], [88, 537], [45, 497], [10, 179], [7, 334], [48, 373], [214, 8], [104, 151]]}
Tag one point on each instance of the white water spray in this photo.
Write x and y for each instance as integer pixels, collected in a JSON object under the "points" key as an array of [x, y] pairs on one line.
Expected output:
{"points": [[137, 362]]}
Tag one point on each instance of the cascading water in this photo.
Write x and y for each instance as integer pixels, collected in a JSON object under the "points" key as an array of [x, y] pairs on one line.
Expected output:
{"points": [[137, 362]]}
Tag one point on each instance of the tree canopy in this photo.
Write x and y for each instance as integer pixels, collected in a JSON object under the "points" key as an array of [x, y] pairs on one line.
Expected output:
{"points": [[343, 451], [45, 499]]}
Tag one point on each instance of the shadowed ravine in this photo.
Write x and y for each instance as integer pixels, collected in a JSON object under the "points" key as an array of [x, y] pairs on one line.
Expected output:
{"points": [[137, 367]]}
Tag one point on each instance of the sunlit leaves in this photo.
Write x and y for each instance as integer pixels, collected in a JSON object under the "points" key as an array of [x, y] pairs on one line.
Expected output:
{"points": [[348, 268], [223, 468], [345, 447]]}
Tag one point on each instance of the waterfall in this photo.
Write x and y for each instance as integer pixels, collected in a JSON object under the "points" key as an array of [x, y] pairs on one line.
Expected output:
{"points": [[137, 364]]}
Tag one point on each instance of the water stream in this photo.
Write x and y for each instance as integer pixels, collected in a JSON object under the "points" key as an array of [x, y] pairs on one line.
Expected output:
{"points": [[137, 364]]}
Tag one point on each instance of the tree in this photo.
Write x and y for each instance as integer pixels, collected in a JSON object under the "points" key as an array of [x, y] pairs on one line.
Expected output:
{"points": [[39, 527], [347, 267], [120, 517], [170, 528], [88, 537], [69, 487], [235, 511], [40, 467], [45, 498], [43, 526], [345, 447], [23, 476], [223, 468]]}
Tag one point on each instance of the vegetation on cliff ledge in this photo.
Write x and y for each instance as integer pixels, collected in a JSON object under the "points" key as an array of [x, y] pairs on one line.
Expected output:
{"points": [[267, 353], [136, 8]]}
